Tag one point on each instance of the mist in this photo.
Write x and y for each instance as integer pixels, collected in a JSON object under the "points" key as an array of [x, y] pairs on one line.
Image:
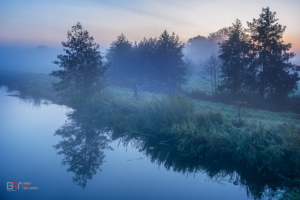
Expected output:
{"points": [[200, 48], [38, 60]]}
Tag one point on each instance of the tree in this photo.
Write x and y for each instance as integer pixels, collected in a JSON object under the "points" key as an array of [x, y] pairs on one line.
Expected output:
{"points": [[83, 70], [277, 77], [169, 58], [211, 70], [121, 56], [151, 61], [145, 52], [234, 55]]}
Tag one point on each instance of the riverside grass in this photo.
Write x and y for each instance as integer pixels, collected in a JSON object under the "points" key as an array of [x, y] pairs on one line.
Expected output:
{"points": [[267, 141], [204, 133]]}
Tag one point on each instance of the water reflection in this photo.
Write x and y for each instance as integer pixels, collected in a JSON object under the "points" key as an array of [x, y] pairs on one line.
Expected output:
{"points": [[84, 141], [163, 151], [82, 146], [32, 98]]}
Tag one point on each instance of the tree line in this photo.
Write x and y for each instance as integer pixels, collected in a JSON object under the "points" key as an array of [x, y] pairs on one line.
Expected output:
{"points": [[252, 63]]}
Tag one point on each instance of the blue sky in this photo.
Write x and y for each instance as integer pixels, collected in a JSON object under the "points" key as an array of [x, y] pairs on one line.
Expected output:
{"points": [[32, 23]]}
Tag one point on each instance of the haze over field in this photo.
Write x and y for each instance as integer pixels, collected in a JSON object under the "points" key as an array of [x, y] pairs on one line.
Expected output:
{"points": [[32, 31]]}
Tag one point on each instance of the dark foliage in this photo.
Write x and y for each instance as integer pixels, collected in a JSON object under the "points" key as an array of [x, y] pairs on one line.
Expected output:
{"points": [[120, 55], [82, 66], [256, 65], [236, 58], [277, 77], [151, 61]]}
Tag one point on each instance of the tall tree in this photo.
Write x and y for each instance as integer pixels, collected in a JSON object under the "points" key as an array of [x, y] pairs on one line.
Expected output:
{"points": [[170, 61], [145, 53], [234, 55], [153, 60], [83, 69], [120, 55], [276, 75]]}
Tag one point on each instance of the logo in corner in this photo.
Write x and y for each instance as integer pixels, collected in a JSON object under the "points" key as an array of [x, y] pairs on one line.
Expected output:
{"points": [[13, 186]]}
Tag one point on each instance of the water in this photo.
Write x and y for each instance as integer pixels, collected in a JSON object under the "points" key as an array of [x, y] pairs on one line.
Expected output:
{"points": [[69, 158]]}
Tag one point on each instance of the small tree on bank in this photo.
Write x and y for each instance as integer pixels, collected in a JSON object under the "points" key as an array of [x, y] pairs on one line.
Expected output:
{"points": [[82, 72]]}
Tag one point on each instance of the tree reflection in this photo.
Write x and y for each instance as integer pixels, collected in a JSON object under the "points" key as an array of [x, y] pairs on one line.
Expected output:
{"points": [[82, 146], [224, 171]]}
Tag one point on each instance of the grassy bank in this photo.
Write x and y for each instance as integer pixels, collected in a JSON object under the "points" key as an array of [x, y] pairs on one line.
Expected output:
{"points": [[267, 141], [266, 145]]}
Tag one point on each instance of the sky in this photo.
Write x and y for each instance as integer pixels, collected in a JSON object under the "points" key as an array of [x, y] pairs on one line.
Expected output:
{"points": [[32, 23]]}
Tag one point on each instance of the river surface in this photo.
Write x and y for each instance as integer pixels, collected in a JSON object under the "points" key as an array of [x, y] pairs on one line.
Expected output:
{"points": [[57, 157]]}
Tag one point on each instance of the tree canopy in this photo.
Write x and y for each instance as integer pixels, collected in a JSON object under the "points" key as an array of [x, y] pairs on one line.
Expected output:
{"points": [[150, 61], [234, 54], [82, 72], [256, 61], [276, 75]]}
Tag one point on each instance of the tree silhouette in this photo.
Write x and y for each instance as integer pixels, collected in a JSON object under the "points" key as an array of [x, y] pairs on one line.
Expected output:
{"points": [[234, 55], [277, 77], [153, 60], [120, 55], [83, 70], [170, 63]]}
